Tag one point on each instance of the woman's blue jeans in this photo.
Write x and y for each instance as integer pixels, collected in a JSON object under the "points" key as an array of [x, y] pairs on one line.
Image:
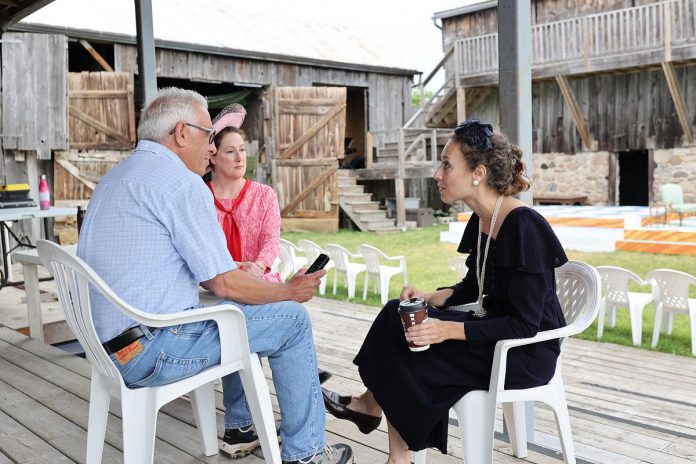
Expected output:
{"points": [[282, 332]]}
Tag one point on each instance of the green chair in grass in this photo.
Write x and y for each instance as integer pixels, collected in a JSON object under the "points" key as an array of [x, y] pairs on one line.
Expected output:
{"points": [[673, 197]]}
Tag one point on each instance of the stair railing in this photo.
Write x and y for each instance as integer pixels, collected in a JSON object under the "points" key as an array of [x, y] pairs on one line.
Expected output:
{"points": [[439, 93]]}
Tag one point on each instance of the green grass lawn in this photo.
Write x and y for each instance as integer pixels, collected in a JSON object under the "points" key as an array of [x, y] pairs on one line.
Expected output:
{"points": [[426, 260]]}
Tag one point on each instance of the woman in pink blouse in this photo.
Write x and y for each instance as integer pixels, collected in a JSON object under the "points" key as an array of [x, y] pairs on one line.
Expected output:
{"points": [[247, 211]]}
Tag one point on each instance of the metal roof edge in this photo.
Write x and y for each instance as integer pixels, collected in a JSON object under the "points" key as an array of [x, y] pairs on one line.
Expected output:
{"points": [[201, 48], [465, 9]]}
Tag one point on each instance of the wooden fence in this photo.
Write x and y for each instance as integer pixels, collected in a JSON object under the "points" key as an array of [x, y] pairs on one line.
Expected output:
{"points": [[642, 28]]}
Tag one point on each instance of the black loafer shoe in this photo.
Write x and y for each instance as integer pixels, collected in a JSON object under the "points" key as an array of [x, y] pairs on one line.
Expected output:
{"points": [[324, 376], [337, 405]]}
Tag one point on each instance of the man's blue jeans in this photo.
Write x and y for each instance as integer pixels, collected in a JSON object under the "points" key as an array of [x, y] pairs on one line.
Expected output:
{"points": [[282, 332]]}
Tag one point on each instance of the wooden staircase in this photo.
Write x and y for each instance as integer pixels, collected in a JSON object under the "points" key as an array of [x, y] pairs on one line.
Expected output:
{"points": [[359, 206]]}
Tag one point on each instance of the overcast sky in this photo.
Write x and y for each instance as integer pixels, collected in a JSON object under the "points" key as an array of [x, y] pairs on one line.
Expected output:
{"points": [[405, 28]]}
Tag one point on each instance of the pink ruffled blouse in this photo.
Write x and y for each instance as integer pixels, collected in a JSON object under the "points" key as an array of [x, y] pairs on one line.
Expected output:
{"points": [[258, 220]]}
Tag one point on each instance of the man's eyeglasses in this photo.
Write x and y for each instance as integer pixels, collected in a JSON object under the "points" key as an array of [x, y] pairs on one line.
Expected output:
{"points": [[212, 132]]}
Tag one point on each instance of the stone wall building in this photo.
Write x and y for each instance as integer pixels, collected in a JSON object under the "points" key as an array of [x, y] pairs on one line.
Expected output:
{"points": [[612, 94]]}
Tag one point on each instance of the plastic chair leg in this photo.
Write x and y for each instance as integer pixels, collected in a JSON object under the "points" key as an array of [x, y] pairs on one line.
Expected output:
{"points": [[612, 316], [419, 457], [384, 289], [656, 325], [476, 416], [667, 322], [636, 314], [322, 285], [600, 318], [258, 399], [139, 425], [560, 409], [99, 399], [350, 283], [365, 286], [335, 280], [203, 403], [514, 414]]}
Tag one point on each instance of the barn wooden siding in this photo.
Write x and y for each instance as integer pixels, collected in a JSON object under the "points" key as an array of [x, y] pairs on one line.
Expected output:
{"points": [[389, 94], [624, 111], [34, 103]]}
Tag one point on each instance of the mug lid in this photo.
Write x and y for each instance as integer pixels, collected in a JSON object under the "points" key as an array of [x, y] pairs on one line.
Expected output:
{"points": [[413, 303]]}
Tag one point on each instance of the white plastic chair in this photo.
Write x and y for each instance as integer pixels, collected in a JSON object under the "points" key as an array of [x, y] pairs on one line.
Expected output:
{"points": [[298, 262], [311, 250], [341, 257], [284, 265], [616, 295], [578, 290], [140, 405], [672, 297], [380, 273], [458, 265]]}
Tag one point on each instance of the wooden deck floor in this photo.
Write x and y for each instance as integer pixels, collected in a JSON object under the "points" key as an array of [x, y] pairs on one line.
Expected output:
{"points": [[627, 405]]}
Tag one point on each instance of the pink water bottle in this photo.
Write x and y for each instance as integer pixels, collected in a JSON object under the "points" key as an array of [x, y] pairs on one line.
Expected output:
{"points": [[44, 195]]}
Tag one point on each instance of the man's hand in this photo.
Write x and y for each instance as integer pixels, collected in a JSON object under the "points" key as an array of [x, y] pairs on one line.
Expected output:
{"points": [[303, 286]]}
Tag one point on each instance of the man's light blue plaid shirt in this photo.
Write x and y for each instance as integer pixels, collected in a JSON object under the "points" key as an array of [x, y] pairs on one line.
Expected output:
{"points": [[152, 234]]}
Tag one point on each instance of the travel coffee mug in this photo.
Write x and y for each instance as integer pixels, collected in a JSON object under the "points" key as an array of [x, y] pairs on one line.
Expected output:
{"points": [[413, 311]]}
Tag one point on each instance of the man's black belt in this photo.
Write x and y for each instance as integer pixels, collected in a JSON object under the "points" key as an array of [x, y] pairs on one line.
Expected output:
{"points": [[119, 342]]}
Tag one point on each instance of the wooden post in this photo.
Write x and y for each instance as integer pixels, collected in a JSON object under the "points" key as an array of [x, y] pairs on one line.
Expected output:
{"points": [[421, 89], [461, 104], [667, 28], [678, 99], [457, 64], [433, 148], [586, 42], [576, 113], [368, 150], [95, 54], [33, 176], [399, 182]]}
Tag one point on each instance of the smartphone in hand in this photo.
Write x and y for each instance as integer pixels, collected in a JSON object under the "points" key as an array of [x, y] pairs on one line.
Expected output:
{"points": [[318, 264]]}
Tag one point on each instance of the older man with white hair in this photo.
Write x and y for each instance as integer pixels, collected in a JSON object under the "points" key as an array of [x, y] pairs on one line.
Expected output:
{"points": [[152, 234]]}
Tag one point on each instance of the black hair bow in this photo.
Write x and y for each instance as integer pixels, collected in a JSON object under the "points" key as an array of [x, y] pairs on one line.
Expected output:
{"points": [[475, 133]]}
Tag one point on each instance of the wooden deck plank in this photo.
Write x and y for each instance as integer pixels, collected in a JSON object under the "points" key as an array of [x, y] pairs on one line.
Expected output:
{"points": [[18, 444], [628, 405]]}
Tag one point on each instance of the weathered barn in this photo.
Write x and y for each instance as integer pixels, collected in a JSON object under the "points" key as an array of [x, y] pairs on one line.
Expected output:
{"points": [[313, 93], [614, 86]]}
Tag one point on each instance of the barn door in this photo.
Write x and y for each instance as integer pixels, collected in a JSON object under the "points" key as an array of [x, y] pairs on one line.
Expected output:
{"points": [[310, 125], [101, 110]]}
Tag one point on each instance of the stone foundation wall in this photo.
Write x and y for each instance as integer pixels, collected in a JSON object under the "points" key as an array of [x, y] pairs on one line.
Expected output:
{"points": [[675, 166], [559, 174]]}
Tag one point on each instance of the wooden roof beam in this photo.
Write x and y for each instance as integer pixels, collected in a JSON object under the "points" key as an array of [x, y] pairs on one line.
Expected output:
{"points": [[678, 99], [587, 139], [95, 54]]}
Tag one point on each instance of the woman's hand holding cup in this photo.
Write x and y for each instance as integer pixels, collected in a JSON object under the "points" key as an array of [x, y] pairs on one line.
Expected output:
{"points": [[429, 332], [409, 292]]}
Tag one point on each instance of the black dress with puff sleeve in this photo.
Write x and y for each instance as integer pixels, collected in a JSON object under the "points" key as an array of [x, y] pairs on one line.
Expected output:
{"points": [[417, 389]]}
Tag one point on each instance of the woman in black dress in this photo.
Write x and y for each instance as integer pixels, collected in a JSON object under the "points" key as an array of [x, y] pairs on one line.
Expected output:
{"points": [[516, 253]]}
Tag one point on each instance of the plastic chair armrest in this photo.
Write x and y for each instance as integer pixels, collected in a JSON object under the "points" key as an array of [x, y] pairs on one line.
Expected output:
{"points": [[230, 322], [503, 346]]}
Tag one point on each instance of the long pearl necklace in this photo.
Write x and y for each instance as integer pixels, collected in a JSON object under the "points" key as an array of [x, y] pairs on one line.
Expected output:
{"points": [[480, 311]]}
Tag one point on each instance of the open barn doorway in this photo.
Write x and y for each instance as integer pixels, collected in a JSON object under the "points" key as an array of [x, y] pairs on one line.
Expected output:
{"points": [[357, 124], [635, 177]]}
